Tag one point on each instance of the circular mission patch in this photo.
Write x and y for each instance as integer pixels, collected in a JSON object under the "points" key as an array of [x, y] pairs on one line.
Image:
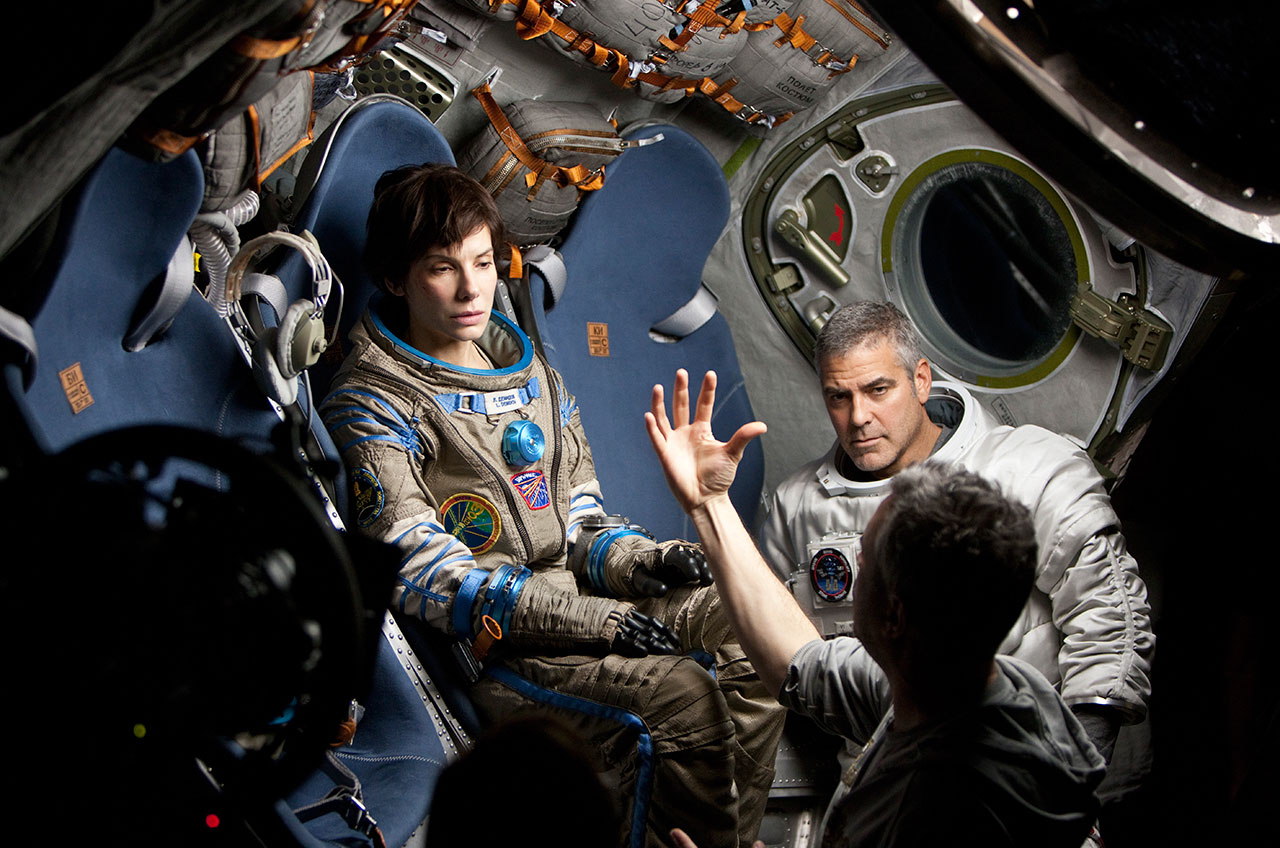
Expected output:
{"points": [[831, 575], [474, 520], [368, 496]]}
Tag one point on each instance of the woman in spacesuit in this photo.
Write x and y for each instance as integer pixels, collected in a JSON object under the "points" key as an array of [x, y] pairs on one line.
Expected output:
{"points": [[467, 453]]}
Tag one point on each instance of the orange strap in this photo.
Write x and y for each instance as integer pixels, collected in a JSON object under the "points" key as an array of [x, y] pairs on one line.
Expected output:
{"points": [[538, 169], [720, 94], [260, 171], [704, 15], [253, 47], [170, 142], [515, 272], [793, 33], [579, 176]]}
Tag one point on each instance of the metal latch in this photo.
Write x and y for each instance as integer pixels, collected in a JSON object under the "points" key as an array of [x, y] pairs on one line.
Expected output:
{"points": [[810, 246], [1142, 336], [875, 172]]}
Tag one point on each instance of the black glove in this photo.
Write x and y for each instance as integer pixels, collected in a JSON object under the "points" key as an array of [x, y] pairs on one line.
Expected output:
{"points": [[639, 635], [670, 564], [1102, 725], [683, 563]]}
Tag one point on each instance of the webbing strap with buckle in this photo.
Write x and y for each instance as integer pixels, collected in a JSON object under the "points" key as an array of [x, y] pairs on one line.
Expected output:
{"points": [[174, 291], [344, 799], [794, 34], [491, 403], [540, 170]]}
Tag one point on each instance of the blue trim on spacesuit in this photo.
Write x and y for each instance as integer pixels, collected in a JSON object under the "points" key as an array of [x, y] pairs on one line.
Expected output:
{"points": [[432, 568], [503, 591], [582, 503], [526, 347], [405, 434], [459, 400], [644, 741], [599, 550], [418, 590], [430, 525], [464, 598], [568, 406]]}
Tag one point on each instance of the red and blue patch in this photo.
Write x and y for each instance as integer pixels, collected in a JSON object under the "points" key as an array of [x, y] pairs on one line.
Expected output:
{"points": [[532, 486], [831, 575]]}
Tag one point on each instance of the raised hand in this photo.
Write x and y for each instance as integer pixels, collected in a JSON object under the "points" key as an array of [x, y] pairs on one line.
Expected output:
{"points": [[698, 466]]}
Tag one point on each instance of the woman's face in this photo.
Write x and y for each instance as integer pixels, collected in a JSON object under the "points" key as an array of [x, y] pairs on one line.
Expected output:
{"points": [[449, 294]]}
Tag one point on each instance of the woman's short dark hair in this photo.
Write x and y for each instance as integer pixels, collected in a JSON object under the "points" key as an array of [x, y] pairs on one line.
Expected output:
{"points": [[418, 207]]}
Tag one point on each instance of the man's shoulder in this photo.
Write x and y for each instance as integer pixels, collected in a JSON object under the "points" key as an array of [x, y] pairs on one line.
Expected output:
{"points": [[1034, 434], [805, 476], [1027, 453]]}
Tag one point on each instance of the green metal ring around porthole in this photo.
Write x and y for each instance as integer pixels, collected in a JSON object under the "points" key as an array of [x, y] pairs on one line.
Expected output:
{"points": [[1051, 361]]}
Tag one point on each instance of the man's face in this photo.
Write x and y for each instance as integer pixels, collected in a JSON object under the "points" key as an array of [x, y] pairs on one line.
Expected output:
{"points": [[877, 408]]}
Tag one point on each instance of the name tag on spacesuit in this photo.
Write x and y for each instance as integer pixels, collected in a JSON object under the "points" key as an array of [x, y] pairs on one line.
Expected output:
{"points": [[823, 586], [490, 403], [503, 401]]}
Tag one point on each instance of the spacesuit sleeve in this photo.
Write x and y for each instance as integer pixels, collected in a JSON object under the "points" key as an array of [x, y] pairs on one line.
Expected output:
{"points": [[1098, 602], [385, 456], [1100, 607], [439, 581]]}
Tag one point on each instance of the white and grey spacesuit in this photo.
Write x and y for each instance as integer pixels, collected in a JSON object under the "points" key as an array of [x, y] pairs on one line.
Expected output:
{"points": [[1087, 624], [483, 480]]}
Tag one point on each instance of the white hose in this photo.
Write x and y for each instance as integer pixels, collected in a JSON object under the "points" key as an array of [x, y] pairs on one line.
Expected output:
{"points": [[217, 239]]}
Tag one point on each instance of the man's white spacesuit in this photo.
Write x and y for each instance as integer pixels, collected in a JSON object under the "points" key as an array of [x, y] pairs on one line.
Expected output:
{"points": [[482, 478], [1087, 624]]}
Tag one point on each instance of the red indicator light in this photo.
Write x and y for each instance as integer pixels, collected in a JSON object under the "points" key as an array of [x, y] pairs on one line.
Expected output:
{"points": [[212, 821]]}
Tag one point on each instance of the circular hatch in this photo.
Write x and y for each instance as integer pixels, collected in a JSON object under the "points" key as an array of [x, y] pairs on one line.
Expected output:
{"points": [[985, 256]]}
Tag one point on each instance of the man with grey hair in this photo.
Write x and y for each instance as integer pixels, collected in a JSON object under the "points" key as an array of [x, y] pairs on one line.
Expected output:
{"points": [[960, 746], [1086, 624]]}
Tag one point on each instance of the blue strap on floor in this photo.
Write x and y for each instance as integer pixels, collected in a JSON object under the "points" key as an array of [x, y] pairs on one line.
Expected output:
{"points": [[396, 754]]}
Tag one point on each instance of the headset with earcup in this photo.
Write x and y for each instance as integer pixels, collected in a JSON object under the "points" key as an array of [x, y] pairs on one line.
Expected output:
{"points": [[281, 353]]}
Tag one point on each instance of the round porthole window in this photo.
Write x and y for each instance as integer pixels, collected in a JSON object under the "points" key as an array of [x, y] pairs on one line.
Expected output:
{"points": [[985, 258]]}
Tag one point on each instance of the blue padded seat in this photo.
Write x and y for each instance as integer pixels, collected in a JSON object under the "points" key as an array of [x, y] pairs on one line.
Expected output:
{"points": [[397, 755], [335, 190], [122, 227], [332, 199], [634, 255], [334, 193], [120, 230]]}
